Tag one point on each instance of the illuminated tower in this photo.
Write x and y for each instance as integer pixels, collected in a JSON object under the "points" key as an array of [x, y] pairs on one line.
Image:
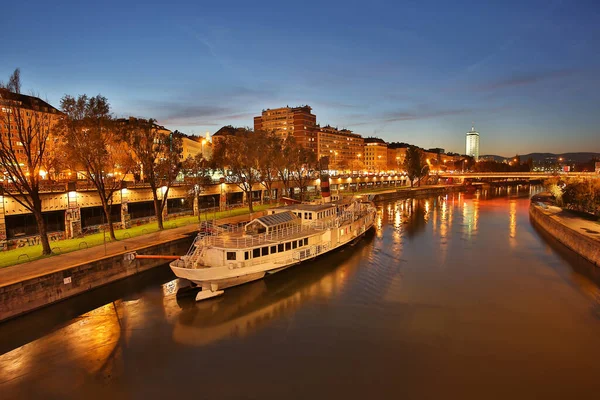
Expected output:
{"points": [[473, 143]]}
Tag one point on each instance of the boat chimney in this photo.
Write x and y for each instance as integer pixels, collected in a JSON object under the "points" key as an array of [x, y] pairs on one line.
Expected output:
{"points": [[325, 192]]}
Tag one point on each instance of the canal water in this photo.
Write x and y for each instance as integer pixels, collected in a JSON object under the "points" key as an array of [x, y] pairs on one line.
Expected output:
{"points": [[456, 296]]}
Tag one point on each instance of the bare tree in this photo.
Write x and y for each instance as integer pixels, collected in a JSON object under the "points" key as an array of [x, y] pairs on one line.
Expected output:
{"points": [[271, 145], [94, 147], [302, 163], [158, 151], [197, 172], [281, 162], [238, 158], [27, 125]]}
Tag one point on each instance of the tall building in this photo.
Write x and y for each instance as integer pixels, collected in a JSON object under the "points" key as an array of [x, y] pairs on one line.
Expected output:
{"points": [[29, 116], [343, 148], [299, 122], [376, 154], [473, 143]]}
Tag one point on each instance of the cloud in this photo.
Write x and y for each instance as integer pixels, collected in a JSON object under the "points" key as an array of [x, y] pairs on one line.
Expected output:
{"points": [[402, 115], [523, 80]]}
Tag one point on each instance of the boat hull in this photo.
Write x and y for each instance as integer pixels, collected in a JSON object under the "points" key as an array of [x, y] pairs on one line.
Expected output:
{"points": [[217, 278]]}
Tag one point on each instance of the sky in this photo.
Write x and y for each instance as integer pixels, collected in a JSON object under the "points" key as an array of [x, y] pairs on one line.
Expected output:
{"points": [[525, 72]]}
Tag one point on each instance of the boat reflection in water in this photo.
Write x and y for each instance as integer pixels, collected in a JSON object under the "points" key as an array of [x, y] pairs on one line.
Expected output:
{"points": [[250, 307]]}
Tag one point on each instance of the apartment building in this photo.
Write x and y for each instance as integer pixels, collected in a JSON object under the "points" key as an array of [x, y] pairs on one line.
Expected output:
{"points": [[375, 154], [343, 148], [298, 122]]}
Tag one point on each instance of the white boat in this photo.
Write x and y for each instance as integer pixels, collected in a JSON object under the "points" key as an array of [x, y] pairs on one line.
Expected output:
{"points": [[223, 257]]}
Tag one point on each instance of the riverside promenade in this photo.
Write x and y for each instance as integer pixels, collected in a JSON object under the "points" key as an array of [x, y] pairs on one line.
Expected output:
{"points": [[579, 234], [28, 286]]}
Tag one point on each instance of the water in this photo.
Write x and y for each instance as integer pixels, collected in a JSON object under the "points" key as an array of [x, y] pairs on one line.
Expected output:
{"points": [[456, 296]]}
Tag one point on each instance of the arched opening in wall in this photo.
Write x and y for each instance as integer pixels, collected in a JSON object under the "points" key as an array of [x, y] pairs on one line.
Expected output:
{"points": [[208, 201], [142, 209], [180, 206], [24, 225], [235, 198], [93, 216]]}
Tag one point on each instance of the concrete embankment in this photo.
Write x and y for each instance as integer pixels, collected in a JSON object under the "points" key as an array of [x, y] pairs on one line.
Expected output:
{"points": [[565, 230], [406, 193], [29, 286], [19, 297]]}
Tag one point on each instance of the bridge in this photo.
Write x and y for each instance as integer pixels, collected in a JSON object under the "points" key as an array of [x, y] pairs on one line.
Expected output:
{"points": [[516, 175]]}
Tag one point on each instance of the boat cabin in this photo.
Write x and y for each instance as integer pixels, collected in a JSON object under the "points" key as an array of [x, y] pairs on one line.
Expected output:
{"points": [[307, 212], [271, 223]]}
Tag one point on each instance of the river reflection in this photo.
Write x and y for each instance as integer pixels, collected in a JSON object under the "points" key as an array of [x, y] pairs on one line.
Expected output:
{"points": [[251, 307], [450, 296]]}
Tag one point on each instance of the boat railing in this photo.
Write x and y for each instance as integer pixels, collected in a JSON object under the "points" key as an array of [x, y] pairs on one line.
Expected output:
{"points": [[235, 237]]}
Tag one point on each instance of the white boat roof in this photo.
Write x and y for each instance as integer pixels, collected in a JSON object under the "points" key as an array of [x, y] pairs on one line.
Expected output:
{"points": [[276, 219], [306, 207]]}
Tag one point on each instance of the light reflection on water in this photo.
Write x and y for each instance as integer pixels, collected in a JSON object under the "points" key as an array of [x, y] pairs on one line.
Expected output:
{"points": [[460, 284]]}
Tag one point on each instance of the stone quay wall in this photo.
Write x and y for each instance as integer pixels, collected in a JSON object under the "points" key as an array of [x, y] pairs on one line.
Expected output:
{"points": [[22, 297], [586, 247]]}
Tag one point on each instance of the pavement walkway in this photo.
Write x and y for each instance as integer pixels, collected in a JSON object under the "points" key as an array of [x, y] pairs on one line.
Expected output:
{"points": [[591, 229], [44, 266]]}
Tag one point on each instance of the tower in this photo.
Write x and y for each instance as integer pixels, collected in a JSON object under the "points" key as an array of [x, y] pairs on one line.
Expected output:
{"points": [[473, 143]]}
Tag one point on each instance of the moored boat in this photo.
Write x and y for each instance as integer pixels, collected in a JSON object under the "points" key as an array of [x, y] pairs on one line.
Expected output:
{"points": [[223, 257]]}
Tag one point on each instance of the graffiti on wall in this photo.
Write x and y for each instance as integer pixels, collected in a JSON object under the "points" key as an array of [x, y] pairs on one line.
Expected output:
{"points": [[29, 241]]}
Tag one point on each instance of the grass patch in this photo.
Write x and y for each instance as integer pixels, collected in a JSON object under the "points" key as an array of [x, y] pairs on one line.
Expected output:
{"points": [[30, 253]]}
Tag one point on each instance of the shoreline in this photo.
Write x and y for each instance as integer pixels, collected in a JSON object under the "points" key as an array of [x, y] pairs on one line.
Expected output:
{"points": [[575, 233]]}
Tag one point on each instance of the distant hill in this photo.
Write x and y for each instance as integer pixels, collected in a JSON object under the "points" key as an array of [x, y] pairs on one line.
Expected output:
{"points": [[541, 157]]}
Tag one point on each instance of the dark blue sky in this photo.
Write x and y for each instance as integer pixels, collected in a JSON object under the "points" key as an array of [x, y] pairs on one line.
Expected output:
{"points": [[417, 71]]}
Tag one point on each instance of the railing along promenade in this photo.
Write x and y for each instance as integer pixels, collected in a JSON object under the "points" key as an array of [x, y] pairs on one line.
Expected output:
{"points": [[530, 175]]}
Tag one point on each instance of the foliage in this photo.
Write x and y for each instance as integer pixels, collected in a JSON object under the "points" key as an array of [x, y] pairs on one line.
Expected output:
{"points": [[157, 152], [300, 162], [554, 186], [414, 164], [94, 147], [576, 194], [238, 158]]}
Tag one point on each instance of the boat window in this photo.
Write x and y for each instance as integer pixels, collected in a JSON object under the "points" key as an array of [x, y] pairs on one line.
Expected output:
{"points": [[306, 241], [246, 255], [255, 253], [300, 243], [310, 215], [265, 251], [294, 244], [273, 249], [231, 255], [280, 247], [288, 246]]}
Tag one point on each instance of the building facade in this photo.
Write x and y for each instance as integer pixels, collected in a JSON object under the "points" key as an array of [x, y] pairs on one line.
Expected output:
{"points": [[472, 148], [343, 148], [26, 116], [376, 155], [298, 122]]}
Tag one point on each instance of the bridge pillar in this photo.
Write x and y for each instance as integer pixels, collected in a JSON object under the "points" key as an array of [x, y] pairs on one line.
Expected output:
{"points": [[125, 216], [72, 213], [196, 205], [3, 241]]}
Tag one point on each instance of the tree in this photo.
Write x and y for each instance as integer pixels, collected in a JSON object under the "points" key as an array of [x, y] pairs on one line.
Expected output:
{"points": [[94, 147], [281, 162], [238, 159], [158, 152], [272, 146], [197, 172], [414, 164], [26, 148], [302, 163]]}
